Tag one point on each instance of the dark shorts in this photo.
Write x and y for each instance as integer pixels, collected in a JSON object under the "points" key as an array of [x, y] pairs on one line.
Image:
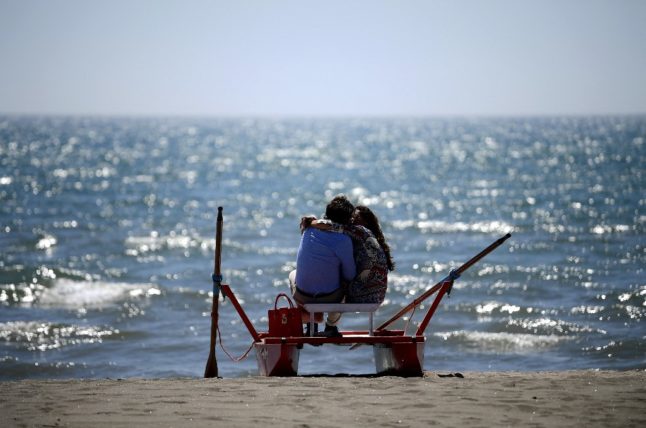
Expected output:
{"points": [[303, 297]]}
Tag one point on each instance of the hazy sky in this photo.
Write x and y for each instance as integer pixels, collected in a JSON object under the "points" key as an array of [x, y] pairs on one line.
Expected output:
{"points": [[323, 57]]}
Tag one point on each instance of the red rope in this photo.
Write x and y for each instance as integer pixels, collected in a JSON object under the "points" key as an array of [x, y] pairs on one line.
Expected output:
{"points": [[234, 359]]}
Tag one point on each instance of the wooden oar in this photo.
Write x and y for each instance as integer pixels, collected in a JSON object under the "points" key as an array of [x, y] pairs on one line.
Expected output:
{"points": [[454, 274], [212, 364]]}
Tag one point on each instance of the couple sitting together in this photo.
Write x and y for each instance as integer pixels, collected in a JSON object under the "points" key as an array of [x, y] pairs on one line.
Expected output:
{"points": [[341, 258]]}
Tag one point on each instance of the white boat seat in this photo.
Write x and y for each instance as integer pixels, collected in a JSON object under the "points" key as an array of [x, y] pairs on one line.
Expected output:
{"points": [[314, 308]]}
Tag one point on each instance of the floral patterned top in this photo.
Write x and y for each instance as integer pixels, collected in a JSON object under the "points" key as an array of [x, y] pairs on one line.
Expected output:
{"points": [[371, 282]]}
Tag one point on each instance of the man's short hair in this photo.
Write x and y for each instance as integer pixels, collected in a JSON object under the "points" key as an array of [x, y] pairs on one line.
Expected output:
{"points": [[339, 210]]}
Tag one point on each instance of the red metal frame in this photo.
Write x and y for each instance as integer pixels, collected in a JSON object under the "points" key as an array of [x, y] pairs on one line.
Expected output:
{"points": [[443, 287], [431, 310], [226, 291], [399, 354]]}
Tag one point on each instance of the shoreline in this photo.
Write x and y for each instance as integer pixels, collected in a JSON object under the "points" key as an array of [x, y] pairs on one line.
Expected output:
{"points": [[568, 398]]}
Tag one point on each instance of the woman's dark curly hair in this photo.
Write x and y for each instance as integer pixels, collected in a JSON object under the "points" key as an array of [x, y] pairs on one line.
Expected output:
{"points": [[339, 210], [365, 217]]}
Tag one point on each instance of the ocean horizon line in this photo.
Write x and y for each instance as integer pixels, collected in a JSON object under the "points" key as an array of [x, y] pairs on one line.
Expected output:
{"points": [[320, 116]]}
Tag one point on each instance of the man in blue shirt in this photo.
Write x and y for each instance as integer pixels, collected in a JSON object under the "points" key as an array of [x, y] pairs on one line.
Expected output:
{"points": [[325, 262]]}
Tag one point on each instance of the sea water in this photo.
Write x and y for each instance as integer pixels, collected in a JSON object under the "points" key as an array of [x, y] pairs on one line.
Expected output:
{"points": [[107, 237]]}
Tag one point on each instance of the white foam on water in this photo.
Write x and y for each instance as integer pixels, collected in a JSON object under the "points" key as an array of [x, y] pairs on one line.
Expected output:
{"points": [[502, 341], [66, 293], [439, 226], [137, 245], [46, 242], [549, 325], [153, 243], [601, 229], [489, 307]]}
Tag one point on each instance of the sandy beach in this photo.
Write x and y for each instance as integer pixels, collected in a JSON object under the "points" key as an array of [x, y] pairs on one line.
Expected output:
{"points": [[573, 398]]}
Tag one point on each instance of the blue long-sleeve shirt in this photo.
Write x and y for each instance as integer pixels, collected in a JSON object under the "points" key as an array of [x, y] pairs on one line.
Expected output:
{"points": [[324, 259]]}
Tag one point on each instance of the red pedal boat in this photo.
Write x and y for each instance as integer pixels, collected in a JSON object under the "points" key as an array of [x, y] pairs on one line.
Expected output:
{"points": [[396, 352]]}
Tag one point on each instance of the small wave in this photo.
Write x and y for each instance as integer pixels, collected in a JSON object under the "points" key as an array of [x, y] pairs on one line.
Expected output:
{"points": [[634, 312], [439, 226], [489, 307], [43, 336], [602, 229], [46, 241], [138, 245], [550, 326], [142, 245], [493, 270], [501, 341], [72, 294], [92, 294]]}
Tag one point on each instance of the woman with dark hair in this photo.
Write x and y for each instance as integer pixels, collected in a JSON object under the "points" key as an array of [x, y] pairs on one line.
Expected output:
{"points": [[363, 216], [371, 255]]}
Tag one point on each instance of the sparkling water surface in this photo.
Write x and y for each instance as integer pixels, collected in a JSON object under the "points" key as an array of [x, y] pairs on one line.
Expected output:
{"points": [[107, 236]]}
